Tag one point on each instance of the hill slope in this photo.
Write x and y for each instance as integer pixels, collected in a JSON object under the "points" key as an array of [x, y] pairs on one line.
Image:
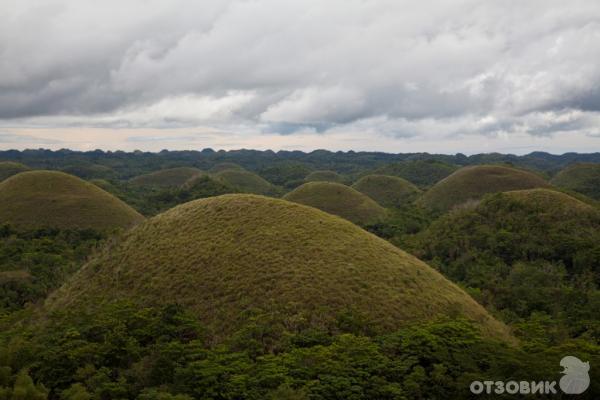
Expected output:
{"points": [[388, 191], [225, 256], [9, 168], [338, 199], [526, 252], [472, 183], [225, 166], [166, 178], [583, 178], [244, 181], [40, 199], [323, 176]]}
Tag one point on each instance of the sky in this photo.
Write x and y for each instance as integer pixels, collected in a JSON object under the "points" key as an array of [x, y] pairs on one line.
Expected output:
{"points": [[439, 76]]}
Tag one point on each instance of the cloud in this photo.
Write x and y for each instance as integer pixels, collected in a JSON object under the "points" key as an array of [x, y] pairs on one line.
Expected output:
{"points": [[393, 68], [12, 138]]}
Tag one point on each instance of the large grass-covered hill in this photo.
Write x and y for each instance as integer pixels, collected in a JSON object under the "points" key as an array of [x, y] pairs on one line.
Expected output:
{"points": [[231, 257], [340, 200], [50, 199], [472, 183], [388, 191], [245, 181], [530, 253], [583, 178]]}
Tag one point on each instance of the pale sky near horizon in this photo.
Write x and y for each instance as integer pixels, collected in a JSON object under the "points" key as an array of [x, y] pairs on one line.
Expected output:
{"points": [[375, 75]]}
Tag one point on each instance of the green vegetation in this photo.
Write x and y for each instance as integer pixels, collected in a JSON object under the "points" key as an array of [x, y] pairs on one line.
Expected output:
{"points": [[246, 297], [198, 187], [233, 258], [323, 176], [46, 199], [9, 168], [161, 353], [470, 184], [89, 170], [388, 191], [527, 254], [34, 262], [423, 173], [245, 182], [288, 174], [340, 200], [166, 178], [224, 166], [583, 178]]}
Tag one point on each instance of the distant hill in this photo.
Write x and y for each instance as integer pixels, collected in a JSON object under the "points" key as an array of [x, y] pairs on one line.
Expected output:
{"points": [[583, 178], [527, 252], [422, 173], [244, 181], [232, 257], [86, 170], [338, 199], [166, 178], [517, 225], [225, 166], [9, 168], [323, 176], [388, 191], [472, 183], [41, 199]]}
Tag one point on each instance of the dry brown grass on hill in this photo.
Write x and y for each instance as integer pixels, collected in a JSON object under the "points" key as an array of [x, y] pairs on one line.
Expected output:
{"points": [[388, 191], [224, 256], [474, 182], [40, 199], [340, 200]]}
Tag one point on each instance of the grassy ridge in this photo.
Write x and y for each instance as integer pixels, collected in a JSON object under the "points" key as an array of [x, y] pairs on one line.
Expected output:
{"points": [[388, 191], [472, 183], [230, 256], [338, 199], [173, 177], [583, 178], [39, 199]]}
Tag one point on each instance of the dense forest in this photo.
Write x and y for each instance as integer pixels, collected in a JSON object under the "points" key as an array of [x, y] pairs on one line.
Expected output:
{"points": [[518, 234]]}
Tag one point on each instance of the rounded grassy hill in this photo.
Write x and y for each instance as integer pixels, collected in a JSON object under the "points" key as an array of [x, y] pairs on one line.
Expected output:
{"points": [[10, 168], [244, 181], [42, 199], [323, 176], [232, 257], [472, 183], [340, 200], [166, 178], [388, 191], [583, 178]]}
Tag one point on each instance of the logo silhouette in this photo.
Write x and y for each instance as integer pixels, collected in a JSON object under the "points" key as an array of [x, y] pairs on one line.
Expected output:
{"points": [[576, 379]]}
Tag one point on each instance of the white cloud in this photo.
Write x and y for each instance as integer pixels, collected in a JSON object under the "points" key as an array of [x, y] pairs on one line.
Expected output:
{"points": [[432, 69]]}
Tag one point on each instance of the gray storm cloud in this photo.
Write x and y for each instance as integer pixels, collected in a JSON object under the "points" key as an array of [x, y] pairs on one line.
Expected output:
{"points": [[398, 67]]}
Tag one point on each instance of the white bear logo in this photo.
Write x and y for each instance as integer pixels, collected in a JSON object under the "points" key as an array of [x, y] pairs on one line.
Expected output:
{"points": [[576, 379]]}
